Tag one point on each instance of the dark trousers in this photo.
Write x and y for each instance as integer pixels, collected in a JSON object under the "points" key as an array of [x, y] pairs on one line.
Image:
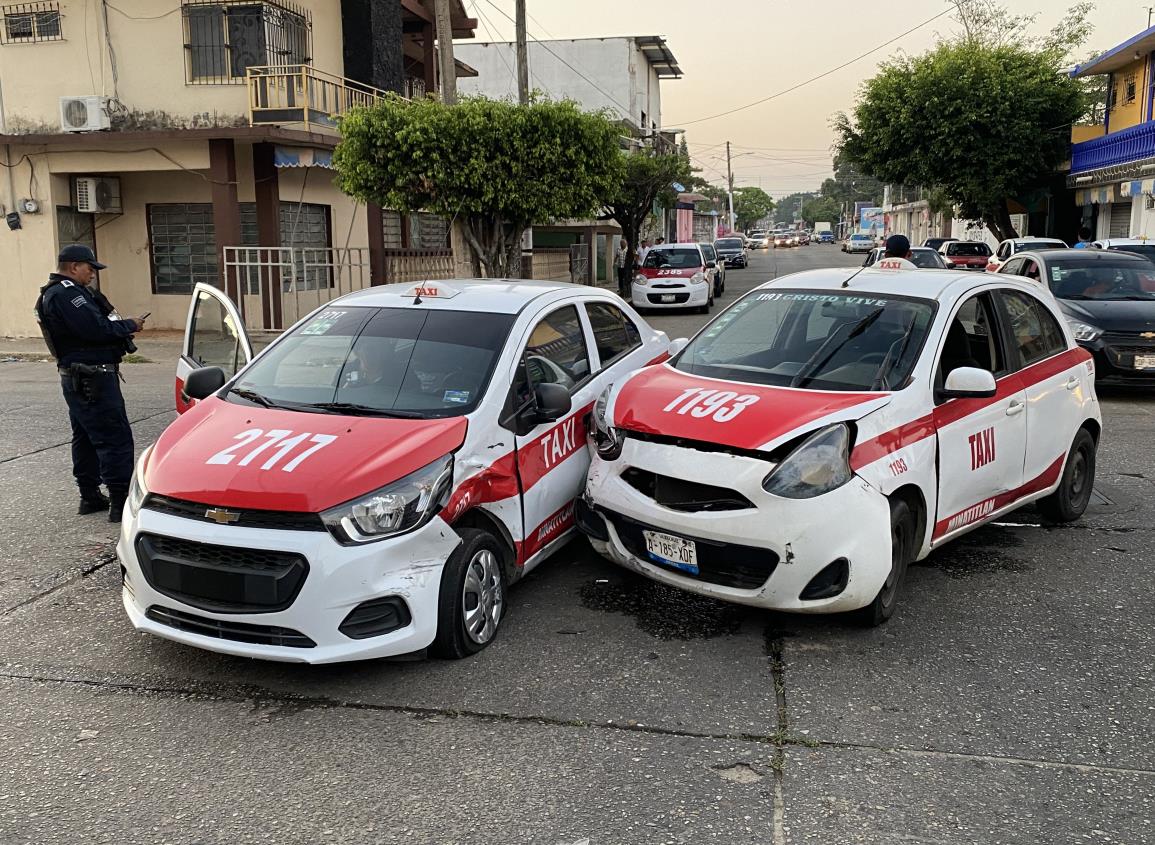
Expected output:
{"points": [[624, 281], [101, 435]]}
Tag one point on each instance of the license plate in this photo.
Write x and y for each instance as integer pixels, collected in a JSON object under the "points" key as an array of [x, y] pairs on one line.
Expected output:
{"points": [[667, 297], [1144, 362], [675, 551]]}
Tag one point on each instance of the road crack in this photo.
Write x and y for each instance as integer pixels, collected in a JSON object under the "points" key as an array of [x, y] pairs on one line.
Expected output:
{"points": [[774, 649]]}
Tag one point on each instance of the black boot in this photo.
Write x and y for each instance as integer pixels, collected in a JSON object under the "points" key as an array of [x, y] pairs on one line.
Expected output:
{"points": [[92, 501], [116, 499]]}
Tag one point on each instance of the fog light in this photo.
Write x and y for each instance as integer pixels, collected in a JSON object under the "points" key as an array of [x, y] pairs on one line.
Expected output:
{"points": [[829, 582], [376, 617]]}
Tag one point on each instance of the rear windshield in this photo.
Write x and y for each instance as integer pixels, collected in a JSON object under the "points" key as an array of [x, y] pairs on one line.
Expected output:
{"points": [[728, 243], [1112, 279], [1037, 245], [407, 362], [860, 237], [926, 259], [813, 339], [968, 249], [1146, 250], [677, 258]]}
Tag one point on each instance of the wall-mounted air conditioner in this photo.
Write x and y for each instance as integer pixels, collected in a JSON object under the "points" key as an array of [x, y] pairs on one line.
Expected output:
{"points": [[84, 114], [97, 195]]}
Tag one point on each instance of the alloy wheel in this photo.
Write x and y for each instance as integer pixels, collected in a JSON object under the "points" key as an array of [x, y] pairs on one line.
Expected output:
{"points": [[482, 597]]}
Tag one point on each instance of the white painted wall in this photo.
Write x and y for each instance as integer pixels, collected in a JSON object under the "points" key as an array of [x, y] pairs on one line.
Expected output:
{"points": [[617, 75]]}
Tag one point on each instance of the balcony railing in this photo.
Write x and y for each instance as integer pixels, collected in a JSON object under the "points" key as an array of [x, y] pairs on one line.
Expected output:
{"points": [[1127, 145], [303, 94]]}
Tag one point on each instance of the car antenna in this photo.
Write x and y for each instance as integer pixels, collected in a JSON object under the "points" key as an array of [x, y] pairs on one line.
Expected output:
{"points": [[846, 284]]}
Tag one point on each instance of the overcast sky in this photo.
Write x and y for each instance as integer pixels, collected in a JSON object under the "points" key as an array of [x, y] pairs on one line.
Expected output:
{"points": [[737, 51]]}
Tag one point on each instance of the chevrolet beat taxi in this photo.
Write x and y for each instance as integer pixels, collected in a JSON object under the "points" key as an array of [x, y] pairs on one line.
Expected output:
{"points": [[371, 483], [831, 427]]}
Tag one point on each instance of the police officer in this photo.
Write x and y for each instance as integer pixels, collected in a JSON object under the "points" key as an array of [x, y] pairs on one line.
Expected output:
{"points": [[88, 338]]}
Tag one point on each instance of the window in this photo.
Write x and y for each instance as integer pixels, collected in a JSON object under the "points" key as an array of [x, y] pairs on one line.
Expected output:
{"points": [[223, 40], [1129, 88], [1014, 267], [1036, 331], [555, 354], [28, 22], [680, 258], [214, 339], [972, 340], [614, 333]]}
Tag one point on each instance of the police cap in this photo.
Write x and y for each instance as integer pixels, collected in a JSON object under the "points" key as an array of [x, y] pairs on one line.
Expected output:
{"points": [[79, 254]]}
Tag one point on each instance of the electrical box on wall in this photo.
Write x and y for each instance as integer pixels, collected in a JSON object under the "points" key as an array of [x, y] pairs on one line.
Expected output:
{"points": [[97, 195]]}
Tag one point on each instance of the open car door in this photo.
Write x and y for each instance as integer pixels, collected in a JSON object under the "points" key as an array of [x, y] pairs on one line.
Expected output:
{"points": [[214, 336]]}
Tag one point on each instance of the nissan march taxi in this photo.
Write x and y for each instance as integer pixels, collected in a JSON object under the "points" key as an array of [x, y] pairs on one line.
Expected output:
{"points": [[372, 482], [831, 427]]}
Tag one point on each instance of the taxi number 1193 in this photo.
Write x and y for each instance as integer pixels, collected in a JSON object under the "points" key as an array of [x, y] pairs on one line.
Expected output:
{"points": [[282, 438], [722, 405]]}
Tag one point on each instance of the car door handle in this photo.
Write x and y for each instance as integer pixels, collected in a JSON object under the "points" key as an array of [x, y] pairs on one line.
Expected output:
{"points": [[1016, 407], [1072, 382]]}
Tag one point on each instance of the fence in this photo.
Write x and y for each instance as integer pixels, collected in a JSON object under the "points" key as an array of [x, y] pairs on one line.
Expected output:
{"points": [[303, 94], [417, 265], [551, 264]]}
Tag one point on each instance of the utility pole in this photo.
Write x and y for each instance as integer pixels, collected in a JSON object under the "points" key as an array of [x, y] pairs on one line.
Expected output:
{"points": [[445, 52], [1150, 9], [730, 185], [522, 56]]}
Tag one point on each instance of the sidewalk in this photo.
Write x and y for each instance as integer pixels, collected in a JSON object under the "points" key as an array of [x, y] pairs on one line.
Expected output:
{"points": [[155, 346]]}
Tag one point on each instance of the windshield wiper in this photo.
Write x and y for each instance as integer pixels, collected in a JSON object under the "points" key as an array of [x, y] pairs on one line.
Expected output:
{"points": [[843, 334], [253, 396], [354, 409]]}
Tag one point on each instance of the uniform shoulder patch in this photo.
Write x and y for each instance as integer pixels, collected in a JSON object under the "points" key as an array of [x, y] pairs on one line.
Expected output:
{"points": [[67, 283], [78, 301]]}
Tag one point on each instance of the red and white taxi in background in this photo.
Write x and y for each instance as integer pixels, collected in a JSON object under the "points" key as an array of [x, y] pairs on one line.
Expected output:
{"points": [[372, 482], [831, 427], [1013, 246], [676, 276]]}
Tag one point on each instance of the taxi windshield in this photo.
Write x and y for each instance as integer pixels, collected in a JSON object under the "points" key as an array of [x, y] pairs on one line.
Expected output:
{"points": [[1102, 279], [680, 259], [728, 243], [814, 339], [399, 362]]}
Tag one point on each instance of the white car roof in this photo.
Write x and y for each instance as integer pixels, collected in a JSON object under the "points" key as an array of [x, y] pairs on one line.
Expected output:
{"points": [[493, 296], [1030, 240], [924, 284], [1107, 243]]}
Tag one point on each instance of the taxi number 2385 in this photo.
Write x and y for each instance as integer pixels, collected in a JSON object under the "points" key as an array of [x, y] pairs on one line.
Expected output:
{"points": [[721, 405], [274, 446]]}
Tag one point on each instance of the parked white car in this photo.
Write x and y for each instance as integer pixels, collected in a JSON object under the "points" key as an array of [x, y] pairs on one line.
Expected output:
{"points": [[1014, 246]]}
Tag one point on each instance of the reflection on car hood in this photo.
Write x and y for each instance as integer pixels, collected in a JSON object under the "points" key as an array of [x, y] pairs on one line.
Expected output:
{"points": [[1112, 315]]}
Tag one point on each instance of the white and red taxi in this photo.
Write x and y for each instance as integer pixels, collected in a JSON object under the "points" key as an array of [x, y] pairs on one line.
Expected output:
{"points": [[676, 276], [371, 483], [831, 427]]}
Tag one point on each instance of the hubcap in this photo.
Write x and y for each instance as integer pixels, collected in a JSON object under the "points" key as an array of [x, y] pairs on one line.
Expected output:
{"points": [[481, 597], [1078, 475]]}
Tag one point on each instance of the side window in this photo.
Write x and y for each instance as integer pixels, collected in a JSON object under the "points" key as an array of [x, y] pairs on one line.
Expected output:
{"points": [[1037, 333], [556, 352], [214, 339], [1004, 251], [869, 258], [1014, 267], [614, 333], [973, 339], [1030, 270]]}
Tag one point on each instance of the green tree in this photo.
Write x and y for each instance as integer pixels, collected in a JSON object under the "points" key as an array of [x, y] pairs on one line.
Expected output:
{"points": [[751, 204], [850, 185], [789, 208], [648, 179], [821, 208], [497, 166]]}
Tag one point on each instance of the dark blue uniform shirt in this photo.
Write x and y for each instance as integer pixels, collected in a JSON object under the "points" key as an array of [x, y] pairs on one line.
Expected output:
{"points": [[80, 330]]}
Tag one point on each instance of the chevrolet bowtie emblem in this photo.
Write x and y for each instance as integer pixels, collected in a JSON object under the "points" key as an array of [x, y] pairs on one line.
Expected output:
{"points": [[221, 516], [1147, 335]]}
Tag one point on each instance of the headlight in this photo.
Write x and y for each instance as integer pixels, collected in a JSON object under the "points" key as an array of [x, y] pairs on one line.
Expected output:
{"points": [[697, 278], [396, 508], [137, 492], [1084, 331], [607, 440], [640, 280], [819, 465]]}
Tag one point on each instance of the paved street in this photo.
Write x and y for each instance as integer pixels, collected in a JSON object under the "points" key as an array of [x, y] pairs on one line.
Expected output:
{"points": [[1009, 700]]}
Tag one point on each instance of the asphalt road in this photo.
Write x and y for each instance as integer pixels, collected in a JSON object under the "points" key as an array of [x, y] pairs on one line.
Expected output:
{"points": [[1009, 701]]}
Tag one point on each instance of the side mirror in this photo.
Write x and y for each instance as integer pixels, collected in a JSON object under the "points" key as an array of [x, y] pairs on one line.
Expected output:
{"points": [[710, 265], [204, 382], [553, 402], [677, 345], [969, 383]]}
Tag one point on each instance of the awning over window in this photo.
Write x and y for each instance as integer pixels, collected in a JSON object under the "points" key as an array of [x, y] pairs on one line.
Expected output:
{"points": [[1139, 187], [1095, 196], [302, 157]]}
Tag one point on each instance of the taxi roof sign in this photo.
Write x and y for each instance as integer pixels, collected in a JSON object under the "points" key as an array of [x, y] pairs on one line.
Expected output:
{"points": [[894, 264], [432, 290]]}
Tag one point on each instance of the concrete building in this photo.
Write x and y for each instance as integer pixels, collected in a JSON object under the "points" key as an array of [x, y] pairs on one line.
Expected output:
{"points": [[1113, 163], [193, 143]]}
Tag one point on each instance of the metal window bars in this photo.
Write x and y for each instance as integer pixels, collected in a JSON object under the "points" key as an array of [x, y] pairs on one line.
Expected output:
{"points": [[30, 22], [224, 39]]}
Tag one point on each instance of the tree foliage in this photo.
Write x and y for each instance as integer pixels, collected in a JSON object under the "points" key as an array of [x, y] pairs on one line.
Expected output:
{"points": [[751, 204], [493, 164], [983, 123], [789, 208], [850, 185], [821, 209], [648, 178]]}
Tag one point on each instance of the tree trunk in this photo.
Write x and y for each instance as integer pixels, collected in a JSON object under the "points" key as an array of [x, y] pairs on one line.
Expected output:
{"points": [[998, 220], [495, 244]]}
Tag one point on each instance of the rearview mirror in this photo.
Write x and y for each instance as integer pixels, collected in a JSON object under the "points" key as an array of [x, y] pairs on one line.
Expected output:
{"points": [[204, 382], [553, 402], [969, 383]]}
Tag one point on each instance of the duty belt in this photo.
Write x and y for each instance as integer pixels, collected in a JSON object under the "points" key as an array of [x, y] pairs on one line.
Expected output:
{"points": [[88, 369]]}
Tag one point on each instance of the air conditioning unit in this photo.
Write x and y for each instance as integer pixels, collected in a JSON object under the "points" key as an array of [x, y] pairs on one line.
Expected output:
{"points": [[84, 114], [97, 195]]}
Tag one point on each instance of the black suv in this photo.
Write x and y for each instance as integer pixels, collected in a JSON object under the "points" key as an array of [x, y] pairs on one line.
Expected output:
{"points": [[732, 251]]}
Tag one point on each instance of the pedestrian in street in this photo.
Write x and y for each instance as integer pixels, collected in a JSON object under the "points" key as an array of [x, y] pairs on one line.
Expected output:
{"points": [[623, 265], [642, 250], [1085, 236], [88, 339]]}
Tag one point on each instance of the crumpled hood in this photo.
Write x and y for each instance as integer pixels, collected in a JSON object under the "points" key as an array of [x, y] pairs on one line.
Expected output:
{"points": [[210, 454], [664, 401]]}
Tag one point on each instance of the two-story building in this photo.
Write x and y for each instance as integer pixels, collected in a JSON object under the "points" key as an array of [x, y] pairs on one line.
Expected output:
{"points": [[191, 140], [1113, 163]]}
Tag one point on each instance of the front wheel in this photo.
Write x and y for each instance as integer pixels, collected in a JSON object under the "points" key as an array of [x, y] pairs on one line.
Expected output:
{"points": [[1073, 494], [471, 601], [902, 551]]}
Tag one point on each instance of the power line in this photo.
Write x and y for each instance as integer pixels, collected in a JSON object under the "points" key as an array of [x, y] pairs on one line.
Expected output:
{"points": [[819, 76]]}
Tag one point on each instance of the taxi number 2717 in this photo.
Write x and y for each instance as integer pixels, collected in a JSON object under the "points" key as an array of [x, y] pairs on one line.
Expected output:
{"points": [[282, 438]]}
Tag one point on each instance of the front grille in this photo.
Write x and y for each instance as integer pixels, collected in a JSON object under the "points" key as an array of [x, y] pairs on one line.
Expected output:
{"points": [[240, 632], [1121, 348], [680, 495], [223, 579], [725, 564], [668, 285], [657, 298], [280, 520]]}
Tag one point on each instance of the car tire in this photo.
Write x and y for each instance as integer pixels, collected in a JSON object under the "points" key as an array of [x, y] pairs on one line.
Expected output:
{"points": [[471, 601], [1073, 494], [902, 551]]}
